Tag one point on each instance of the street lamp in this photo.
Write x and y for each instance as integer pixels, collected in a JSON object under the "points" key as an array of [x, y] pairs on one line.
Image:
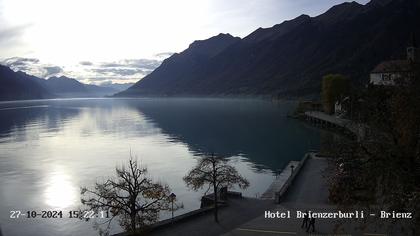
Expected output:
{"points": [[172, 198]]}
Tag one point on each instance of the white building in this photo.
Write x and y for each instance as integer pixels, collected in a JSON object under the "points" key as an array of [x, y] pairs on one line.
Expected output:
{"points": [[387, 72]]}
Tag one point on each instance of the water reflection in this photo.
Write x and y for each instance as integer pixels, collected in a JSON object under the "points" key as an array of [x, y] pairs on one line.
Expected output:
{"points": [[257, 130], [60, 191], [16, 123], [48, 149]]}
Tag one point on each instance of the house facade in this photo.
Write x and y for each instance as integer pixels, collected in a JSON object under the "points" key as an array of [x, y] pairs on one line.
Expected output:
{"points": [[388, 72]]}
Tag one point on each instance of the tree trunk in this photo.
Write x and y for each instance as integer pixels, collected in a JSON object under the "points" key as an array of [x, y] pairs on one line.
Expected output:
{"points": [[133, 223], [133, 215], [216, 207]]}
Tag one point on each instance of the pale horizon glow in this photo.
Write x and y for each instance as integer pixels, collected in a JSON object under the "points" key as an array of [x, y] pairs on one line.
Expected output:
{"points": [[65, 33]]}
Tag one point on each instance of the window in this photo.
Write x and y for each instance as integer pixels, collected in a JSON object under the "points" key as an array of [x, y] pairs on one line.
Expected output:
{"points": [[386, 77]]}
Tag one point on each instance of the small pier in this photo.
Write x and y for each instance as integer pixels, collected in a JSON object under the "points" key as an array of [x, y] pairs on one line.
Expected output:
{"points": [[325, 120], [280, 181], [283, 181]]}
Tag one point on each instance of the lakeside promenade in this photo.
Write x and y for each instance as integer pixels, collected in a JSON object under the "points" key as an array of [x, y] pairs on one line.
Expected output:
{"points": [[238, 210], [246, 216], [308, 192]]}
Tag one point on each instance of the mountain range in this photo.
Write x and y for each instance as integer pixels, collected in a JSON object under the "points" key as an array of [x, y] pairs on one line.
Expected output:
{"points": [[286, 60], [289, 59], [19, 85], [68, 87]]}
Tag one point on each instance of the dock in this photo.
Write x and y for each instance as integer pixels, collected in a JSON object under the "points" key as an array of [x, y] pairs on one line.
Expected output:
{"points": [[285, 179], [326, 120], [280, 181]]}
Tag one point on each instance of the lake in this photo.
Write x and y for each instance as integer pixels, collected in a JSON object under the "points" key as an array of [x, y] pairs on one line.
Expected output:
{"points": [[51, 148]]}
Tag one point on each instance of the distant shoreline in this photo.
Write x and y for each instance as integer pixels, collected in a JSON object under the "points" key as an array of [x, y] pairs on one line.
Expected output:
{"points": [[154, 97]]}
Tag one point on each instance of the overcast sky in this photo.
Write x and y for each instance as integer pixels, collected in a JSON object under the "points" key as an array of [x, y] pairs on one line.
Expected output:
{"points": [[123, 40]]}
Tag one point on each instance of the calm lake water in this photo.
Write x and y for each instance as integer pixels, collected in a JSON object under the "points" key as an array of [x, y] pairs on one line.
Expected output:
{"points": [[50, 148]]}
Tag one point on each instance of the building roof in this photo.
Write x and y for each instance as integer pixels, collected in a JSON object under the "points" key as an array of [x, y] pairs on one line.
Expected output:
{"points": [[393, 66]]}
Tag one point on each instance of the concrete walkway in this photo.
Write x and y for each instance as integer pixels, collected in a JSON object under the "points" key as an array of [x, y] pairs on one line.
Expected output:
{"points": [[309, 192], [310, 188], [246, 217], [237, 213]]}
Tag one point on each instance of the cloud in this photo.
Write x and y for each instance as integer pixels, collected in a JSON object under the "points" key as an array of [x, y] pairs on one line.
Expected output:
{"points": [[121, 71], [85, 63], [106, 82], [12, 42], [147, 64], [19, 61], [164, 55], [127, 70], [110, 80], [32, 66], [11, 34], [100, 80], [52, 70]]}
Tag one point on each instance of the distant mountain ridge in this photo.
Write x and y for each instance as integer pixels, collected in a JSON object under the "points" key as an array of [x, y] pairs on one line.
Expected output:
{"points": [[68, 87], [117, 86], [19, 86], [289, 59]]}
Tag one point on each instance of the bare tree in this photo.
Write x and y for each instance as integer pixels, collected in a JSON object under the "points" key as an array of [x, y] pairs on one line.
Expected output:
{"points": [[132, 196], [214, 172], [384, 168]]}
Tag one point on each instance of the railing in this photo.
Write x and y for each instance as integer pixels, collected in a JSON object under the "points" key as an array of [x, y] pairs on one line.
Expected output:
{"points": [[279, 195]]}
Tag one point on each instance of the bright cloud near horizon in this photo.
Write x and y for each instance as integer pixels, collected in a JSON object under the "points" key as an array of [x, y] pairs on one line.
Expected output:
{"points": [[121, 41]]}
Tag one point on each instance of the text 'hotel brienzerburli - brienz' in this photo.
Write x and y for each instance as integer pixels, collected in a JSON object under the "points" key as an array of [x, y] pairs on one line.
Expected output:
{"points": [[336, 215]]}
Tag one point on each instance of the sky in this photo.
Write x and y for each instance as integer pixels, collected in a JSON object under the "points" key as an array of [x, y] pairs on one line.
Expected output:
{"points": [[121, 41]]}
